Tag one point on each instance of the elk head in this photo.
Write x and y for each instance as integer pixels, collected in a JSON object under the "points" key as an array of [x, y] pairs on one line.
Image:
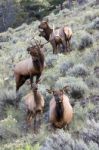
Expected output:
{"points": [[43, 25]]}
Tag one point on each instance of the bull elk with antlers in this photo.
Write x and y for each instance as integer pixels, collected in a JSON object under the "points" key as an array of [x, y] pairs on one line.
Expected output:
{"points": [[56, 37], [30, 67]]}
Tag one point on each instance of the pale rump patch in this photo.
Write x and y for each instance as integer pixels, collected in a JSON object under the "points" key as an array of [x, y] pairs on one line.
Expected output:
{"points": [[68, 32]]}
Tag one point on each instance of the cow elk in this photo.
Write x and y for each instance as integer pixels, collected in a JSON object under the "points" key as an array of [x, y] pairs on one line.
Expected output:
{"points": [[60, 109], [34, 103], [56, 37]]}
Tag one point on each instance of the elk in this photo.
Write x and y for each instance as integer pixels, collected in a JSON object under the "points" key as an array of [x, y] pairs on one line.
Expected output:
{"points": [[56, 37], [30, 67], [60, 109], [34, 103]]}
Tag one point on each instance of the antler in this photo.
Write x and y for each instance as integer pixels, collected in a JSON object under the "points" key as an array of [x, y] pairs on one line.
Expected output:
{"points": [[36, 42], [29, 41]]}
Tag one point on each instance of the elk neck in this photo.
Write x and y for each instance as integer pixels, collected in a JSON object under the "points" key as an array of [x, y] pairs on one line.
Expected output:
{"points": [[39, 62], [59, 110], [37, 98], [48, 31]]}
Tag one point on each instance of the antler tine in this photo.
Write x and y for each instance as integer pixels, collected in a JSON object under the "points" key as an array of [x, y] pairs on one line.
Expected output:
{"points": [[31, 43], [40, 43], [36, 42]]}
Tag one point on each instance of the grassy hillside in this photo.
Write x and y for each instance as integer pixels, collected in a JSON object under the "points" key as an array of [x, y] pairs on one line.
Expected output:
{"points": [[79, 69]]}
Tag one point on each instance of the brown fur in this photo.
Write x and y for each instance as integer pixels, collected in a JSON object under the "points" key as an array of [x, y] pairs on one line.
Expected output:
{"points": [[63, 116], [30, 67], [56, 37], [34, 103]]}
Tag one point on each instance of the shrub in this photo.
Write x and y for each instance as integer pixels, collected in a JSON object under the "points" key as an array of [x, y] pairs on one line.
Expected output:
{"points": [[81, 40], [96, 23], [63, 141], [50, 60], [74, 43], [7, 96], [79, 118], [78, 87], [90, 58], [78, 70], [51, 75], [8, 129], [89, 17], [92, 81], [93, 146], [65, 66], [96, 71], [86, 41], [93, 25], [90, 133], [4, 37]]}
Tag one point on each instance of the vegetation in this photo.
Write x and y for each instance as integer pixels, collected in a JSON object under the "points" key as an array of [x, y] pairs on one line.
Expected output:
{"points": [[79, 69]]}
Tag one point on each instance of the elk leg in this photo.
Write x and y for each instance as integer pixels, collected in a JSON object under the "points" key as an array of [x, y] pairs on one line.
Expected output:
{"points": [[31, 80], [29, 118], [35, 124], [38, 78], [17, 78], [64, 45], [53, 128], [65, 127], [57, 48], [17, 100], [69, 46], [20, 80], [68, 127], [41, 116], [54, 47], [39, 119]]}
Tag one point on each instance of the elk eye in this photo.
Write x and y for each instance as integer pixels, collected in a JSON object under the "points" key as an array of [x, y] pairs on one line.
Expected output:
{"points": [[55, 95]]}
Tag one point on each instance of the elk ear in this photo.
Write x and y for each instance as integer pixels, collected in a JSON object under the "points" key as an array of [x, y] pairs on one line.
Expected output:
{"points": [[66, 88], [61, 90], [49, 91]]}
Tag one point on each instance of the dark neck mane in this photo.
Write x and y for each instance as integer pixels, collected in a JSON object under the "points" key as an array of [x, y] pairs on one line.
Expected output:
{"points": [[48, 31], [37, 98], [59, 111], [39, 62]]}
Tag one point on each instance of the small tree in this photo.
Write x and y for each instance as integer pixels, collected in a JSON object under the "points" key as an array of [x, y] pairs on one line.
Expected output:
{"points": [[8, 9]]}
